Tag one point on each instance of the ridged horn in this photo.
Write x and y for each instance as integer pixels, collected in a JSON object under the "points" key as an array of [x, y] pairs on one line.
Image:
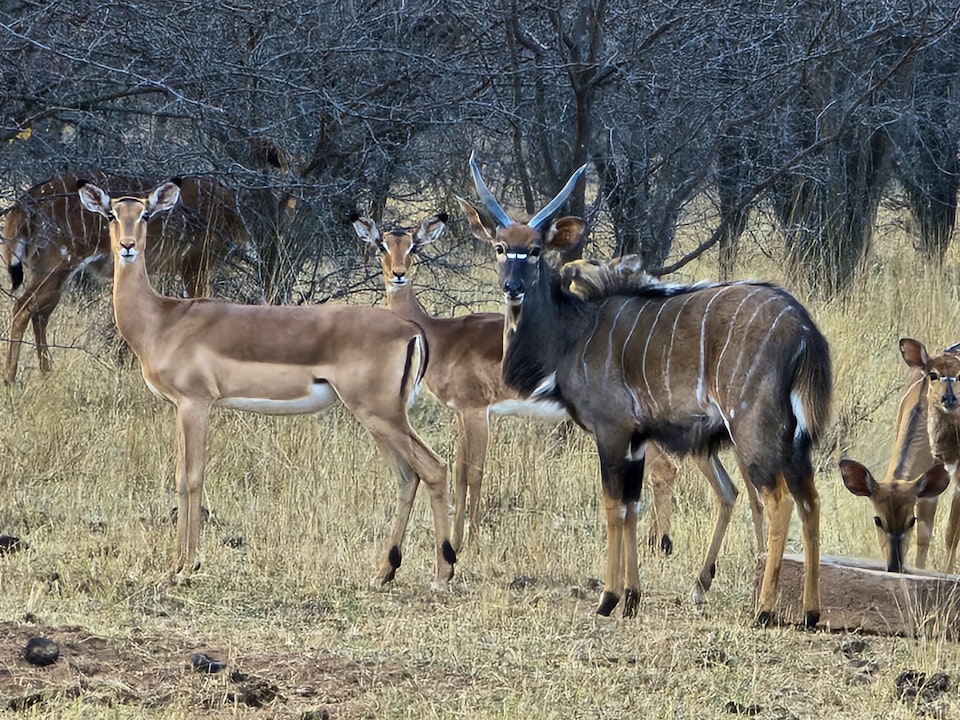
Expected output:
{"points": [[486, 197], [541, 217]]}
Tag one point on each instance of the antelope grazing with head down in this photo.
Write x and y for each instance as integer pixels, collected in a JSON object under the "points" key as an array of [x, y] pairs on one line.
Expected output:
{"points": [[926, 454], [693, 368], [199, 353], [47, 233], [465, 375]]}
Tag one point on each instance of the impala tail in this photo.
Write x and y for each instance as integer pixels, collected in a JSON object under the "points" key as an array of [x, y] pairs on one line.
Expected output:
{"points": [[415, 367]]}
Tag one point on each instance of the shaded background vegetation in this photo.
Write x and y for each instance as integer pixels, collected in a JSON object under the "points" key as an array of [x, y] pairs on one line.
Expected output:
{"points": [[813, 111]]}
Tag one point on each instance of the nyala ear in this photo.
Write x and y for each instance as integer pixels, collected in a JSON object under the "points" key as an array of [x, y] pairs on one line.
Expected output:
{"points": [[857, 478], [366, 230], [481, 224], [430, 229], [565, 233], [914, 353], [93, 198]]}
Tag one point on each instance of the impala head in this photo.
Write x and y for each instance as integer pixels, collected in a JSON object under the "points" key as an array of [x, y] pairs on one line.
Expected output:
{"points": [[894, 502], [128, 216], [518, 246], [398, 246], [941, 383]]}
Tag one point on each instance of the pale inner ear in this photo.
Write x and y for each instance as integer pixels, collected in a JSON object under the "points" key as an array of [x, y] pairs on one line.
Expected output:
{"points": [[478, 224], [367, 230], [565, 233]]}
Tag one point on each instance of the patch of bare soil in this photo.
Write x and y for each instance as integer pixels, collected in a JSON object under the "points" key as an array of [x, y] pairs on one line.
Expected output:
{"points": [[172, 672]]}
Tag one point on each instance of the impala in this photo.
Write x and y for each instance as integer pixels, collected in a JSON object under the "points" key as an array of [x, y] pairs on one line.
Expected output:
{"points": [[199, 353], [47, 233], [694, 368], [926, 455], [465, 375]]}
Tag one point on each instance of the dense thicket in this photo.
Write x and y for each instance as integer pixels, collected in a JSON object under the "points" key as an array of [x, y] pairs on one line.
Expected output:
{"points": [[814, 110]]}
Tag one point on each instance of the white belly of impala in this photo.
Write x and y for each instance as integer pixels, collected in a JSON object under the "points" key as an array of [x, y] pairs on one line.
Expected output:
{"points": [[544, 409], [320, 397]]}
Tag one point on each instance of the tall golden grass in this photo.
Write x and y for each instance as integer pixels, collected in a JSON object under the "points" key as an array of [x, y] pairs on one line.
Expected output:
{"points": [[298, 511]]}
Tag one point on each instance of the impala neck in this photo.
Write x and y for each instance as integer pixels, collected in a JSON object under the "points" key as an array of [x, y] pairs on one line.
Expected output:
{"points": [[402, 300], [136, 305]]}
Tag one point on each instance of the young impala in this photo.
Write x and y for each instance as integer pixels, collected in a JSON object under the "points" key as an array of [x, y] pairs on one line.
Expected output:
{"points": [[926, 454], [465, 375], [199, 353], [693, 368], [48, 234]]}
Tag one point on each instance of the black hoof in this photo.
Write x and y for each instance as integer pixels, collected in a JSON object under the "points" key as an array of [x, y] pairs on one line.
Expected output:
{"points": [[631, 601], [394, 558], [764, 619], [666, 545], [449, 554], [608, 601], [811, 619]]}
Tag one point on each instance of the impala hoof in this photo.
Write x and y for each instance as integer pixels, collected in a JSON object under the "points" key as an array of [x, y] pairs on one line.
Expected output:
{"points": [[608, 601], [764, 619], [631, 601], [810, 620]]}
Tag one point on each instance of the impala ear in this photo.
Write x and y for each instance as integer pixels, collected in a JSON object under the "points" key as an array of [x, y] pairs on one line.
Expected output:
{"points": [[933, 482], [93, 198], [163, 197], [366, 230], [565, 233], [858, 479], [481, 224], [914, 353], [430, 229]]}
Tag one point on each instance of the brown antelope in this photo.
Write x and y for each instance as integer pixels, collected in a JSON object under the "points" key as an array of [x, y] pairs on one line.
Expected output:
{"points": [[465, 375], [926, 454], [693, 368], [199, 353], [48, 234]]}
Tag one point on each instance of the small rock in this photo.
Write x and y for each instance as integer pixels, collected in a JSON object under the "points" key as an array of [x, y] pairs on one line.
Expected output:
{"points": [[11, 544], [202, 662], [912, 683], [320, 714], [853, 646], [41, 651]]}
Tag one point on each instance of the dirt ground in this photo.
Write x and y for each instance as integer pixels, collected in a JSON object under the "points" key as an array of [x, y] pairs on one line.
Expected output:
{"points": [[160, 673]]}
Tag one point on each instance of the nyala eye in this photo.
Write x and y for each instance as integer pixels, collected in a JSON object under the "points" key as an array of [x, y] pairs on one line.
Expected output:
{"points": [[111, 216], [144, 216], [934, 375], [878, 522], [499, 249], [535, 251]]}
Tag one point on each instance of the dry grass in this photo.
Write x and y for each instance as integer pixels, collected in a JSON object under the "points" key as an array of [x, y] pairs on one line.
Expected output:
{"points": [[298, 514]]}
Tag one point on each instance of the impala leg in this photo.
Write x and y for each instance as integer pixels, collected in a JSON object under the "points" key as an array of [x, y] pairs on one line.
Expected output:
{"points": [[192, 424], [953, 528], [661, 473], [726, 495], [926, 511], [779, 506], [473, 432], [415, 461]]}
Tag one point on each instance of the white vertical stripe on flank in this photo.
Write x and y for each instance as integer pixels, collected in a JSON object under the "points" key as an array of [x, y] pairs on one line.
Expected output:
{"points": [[726, 343], [613, 327], [702, 370], [586, 345], [623, 360], [676, 322], [646, 349], [744, 349]]}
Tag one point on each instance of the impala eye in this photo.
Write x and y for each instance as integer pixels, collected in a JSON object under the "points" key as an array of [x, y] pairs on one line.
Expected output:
{"points": [[144, 216], [911, 522], [414, 249]]}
